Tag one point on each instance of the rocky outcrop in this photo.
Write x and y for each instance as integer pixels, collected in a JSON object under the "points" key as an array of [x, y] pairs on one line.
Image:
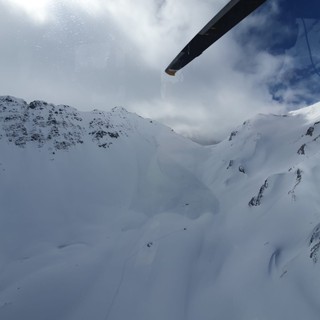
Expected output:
{"points": [[256, 201], [314, 243], [58, 127]]}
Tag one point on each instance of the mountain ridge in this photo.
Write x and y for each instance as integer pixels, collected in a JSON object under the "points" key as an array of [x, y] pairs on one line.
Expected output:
{"points": [[106, 215]]}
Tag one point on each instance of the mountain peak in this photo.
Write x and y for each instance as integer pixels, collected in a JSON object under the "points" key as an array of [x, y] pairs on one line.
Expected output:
{"points": [[59, 127], [106, 215]]}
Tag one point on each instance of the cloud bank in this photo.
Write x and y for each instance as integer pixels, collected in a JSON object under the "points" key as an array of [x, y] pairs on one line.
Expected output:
{"points": [[101, 54]]}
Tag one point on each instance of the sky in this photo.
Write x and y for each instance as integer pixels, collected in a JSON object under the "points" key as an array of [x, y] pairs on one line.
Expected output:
{"points": [[99, 54]]}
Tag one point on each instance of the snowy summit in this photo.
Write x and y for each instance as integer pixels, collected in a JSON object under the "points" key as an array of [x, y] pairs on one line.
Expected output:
{"points": [[109, 216]]}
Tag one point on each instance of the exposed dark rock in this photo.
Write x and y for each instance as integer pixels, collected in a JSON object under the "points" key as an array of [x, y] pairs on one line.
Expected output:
{"points": [[54, 131], [20, 142], [232, 135], [241, 169], [8, 99], [256, 201], [314, 252], [299, 175], [99, 134], [301, 149], [62, 145], [36, 137], [314, 243], [298, 180], [37, 104], [230, 164], [310, 131], [113, 135], [11, 118], [105, 145]]}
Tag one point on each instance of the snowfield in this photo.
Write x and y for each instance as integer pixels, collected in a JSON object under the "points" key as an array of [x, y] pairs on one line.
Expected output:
{"points": [[109, 216]]}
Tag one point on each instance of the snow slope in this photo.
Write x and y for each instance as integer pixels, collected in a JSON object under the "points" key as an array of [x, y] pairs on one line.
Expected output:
{"points": [[106, 215]]}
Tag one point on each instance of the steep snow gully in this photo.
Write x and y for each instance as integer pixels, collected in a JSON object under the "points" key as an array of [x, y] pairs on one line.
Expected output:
{"points": [[109, 216]]}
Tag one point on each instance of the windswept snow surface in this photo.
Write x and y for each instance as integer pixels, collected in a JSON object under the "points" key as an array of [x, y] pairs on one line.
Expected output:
{"points": [[109, 216]]}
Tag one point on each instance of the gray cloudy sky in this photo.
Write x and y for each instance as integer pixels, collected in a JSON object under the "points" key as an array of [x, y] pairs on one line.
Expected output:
{"points": [[101, 54]]}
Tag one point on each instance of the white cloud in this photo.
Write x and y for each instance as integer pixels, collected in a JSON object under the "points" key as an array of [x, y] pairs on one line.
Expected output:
{"points": [[97, 54]]}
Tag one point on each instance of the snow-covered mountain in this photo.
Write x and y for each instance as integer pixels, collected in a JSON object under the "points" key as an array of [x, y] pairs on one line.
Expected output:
{"points": [[109, 216]]}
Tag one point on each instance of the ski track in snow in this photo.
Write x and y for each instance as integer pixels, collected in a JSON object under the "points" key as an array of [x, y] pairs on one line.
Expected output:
{"points": [[125, 266]]}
